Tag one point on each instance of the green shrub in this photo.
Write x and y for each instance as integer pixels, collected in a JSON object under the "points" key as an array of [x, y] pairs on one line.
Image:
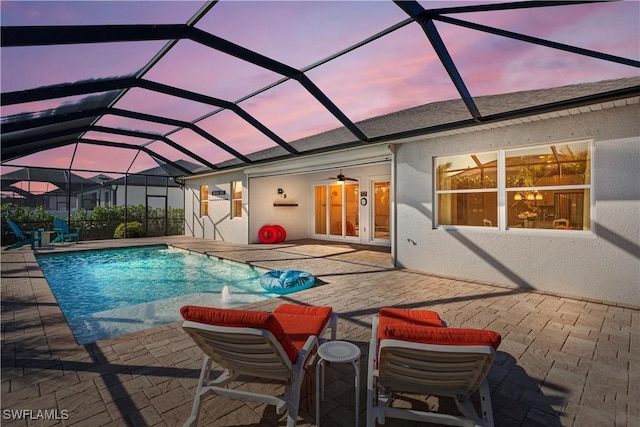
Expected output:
{"points": [[27, 218], [133, 229], [97, 224]]}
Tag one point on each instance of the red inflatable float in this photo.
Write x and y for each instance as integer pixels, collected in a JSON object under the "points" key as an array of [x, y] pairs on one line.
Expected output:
{"points": [[282, 233], [272, 234]]}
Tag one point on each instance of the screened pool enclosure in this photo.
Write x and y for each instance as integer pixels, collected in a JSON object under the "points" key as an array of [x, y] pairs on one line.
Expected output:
{"points": [[107, 106]]}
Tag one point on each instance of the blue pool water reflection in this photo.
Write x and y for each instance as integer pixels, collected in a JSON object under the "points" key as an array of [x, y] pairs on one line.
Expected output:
{"points": [[108, 293]]}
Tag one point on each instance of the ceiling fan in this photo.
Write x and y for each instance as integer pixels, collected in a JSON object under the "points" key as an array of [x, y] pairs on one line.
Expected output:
{"points": [[342, 178]]}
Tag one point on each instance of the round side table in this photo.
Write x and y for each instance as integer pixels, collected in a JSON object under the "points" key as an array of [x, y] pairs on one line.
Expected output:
{"points": [[337, 352]]}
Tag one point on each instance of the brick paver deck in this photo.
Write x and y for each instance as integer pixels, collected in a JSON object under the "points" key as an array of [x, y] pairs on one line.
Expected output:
{"points": [[562, 361]]}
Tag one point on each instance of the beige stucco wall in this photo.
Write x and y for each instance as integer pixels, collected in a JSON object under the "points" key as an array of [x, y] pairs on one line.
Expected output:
{"points": [[263, 195], [299, 188], [602, 264], [296, 178], [218, 225]]}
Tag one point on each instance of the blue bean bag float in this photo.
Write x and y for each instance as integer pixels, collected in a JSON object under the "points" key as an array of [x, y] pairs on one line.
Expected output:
{"points": [[286, 281]]}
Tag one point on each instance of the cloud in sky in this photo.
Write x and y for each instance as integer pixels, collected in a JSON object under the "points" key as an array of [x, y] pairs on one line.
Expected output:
{"points": [[299, 33], [97, 12], [400, 70]]}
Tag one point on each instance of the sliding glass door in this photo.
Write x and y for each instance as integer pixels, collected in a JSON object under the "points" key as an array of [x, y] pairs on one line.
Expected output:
{"points": [[337, 210]]}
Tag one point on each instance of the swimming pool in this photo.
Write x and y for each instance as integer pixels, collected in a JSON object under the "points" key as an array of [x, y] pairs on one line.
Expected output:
{"points": [[112, 292]]}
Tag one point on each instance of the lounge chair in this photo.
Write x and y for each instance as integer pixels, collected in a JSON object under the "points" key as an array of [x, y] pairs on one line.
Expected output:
{"points": [[61, 227], [271, 346], [412, 351], [24, 237]]}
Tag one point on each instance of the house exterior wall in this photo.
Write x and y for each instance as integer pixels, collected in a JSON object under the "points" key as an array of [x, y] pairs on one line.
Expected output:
{"points": [[296, 177], [218, 224], [295, 219], [298, 221], [600, 264]]}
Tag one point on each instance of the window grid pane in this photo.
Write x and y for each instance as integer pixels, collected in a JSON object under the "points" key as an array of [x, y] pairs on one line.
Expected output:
{"points": [[204, 200], [321, 210], [467, 172], [236, 199], [551, 165], [475, 209], [335, 210]]}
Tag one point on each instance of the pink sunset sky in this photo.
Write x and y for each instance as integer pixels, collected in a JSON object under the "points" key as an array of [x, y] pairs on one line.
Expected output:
{"points": [[397, 71]]}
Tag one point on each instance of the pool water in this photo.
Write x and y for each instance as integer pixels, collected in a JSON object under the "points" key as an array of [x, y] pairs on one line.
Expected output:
{"points": [[108, 293]]}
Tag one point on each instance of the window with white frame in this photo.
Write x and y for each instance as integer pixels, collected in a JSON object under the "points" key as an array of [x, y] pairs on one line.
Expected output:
{"points": [[540, 187], [236, 199], [204, 200]]}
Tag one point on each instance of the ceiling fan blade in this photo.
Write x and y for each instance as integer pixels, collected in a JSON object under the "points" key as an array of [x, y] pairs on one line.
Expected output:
{"points": [[342, 178]]}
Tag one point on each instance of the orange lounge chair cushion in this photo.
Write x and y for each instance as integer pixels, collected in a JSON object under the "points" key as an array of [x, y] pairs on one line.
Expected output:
{"points": [[290, 324], [402, 316], [300, 321], [440, 336], [303, 310], [241, 319]]}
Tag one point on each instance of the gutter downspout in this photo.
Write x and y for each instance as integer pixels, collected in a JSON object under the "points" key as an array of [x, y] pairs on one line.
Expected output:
{"points": [[394, 210]]}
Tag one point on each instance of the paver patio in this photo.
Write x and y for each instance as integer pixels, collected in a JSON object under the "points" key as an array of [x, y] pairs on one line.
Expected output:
{"points": [[562, 361]]}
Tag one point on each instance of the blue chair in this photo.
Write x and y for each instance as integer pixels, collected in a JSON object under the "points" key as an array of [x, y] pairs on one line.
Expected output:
{"points": [[61, 227], [23, 239]]}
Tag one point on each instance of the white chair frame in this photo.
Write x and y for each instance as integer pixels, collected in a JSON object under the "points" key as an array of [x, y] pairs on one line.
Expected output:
{"points": [[253, 352], [441, 370]]}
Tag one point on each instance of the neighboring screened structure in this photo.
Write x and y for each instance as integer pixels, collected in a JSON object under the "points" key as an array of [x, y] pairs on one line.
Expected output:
{"points": [[33, 197]]}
